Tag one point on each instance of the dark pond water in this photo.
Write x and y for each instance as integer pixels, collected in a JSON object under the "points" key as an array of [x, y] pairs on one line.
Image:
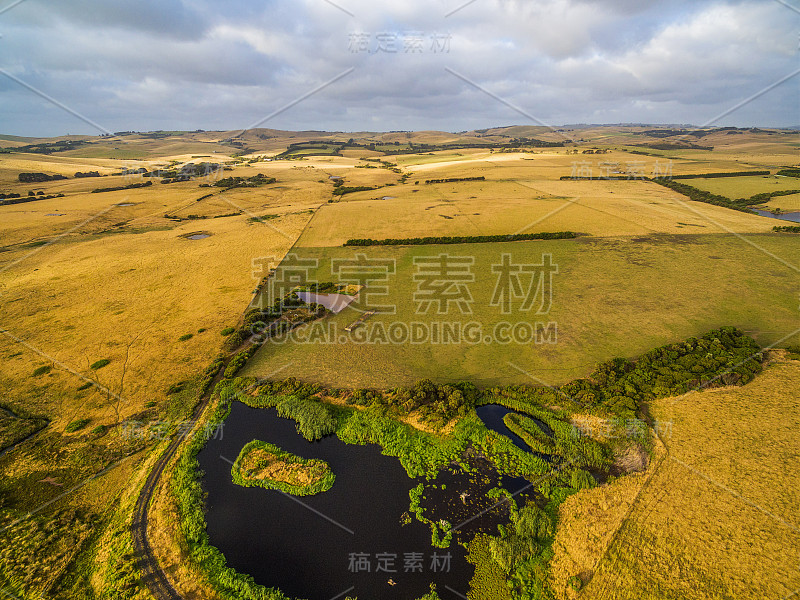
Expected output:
{"points": [[492, 416], [289, 542], [789, 216], [199, 236]]}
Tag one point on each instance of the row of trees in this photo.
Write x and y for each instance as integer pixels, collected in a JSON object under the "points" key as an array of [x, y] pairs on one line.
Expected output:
{"points": [[123, 187], [717, 175], [456, 179], [618, 387], [463, 239], [38, 177], [16, 199], [245, 182]]}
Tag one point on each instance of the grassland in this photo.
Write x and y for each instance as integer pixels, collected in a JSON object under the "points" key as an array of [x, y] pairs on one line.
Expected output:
{"points": [[121, 282], [611, 297], [744, 187], [716, 517], [605, 208]]}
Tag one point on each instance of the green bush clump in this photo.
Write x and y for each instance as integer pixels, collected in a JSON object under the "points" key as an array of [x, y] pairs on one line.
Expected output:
{"points": [[100, 364], [239, 361], [235, 339], [248, 182], [566, 442], [341, 190], [721, 357], [313, 419], [77, 425], [435, 404], [185, 337], [441, 530], [523, 549], [228, 330], [42, 370], [176, 388], [209, 374], [85, 386], [455, 179]]}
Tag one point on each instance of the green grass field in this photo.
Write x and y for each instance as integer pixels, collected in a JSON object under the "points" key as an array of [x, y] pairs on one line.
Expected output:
{"points": [[744, 187], [611, 297]]}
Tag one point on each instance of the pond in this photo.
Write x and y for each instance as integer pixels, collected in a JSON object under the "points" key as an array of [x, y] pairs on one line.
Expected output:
{"points": [[789, 216], [492, 416], [304, 545], [198, 236]]}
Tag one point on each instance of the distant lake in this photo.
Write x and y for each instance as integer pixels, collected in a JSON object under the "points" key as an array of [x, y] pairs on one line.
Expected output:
{"points": [[789, 216]]}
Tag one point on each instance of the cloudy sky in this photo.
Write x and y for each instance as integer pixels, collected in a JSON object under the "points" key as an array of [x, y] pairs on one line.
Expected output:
{"points": [[351, 65]]}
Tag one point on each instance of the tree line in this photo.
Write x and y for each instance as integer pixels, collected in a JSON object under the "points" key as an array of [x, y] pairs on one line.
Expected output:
{"points": [[463, 239]]}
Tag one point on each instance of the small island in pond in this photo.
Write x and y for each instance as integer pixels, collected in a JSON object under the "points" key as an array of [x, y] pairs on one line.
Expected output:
{"points": [[264, 464]]}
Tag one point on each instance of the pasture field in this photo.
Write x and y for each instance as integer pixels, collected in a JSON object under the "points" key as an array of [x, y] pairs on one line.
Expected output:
{"points": [[744, 187], [601, 208], [789, 203], [715, 516], [611, 297]]}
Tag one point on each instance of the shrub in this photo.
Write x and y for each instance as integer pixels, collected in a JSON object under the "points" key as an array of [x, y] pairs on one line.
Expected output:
{"points": [[100, 364], [185, 337], [77, 425], [238, 361], [85, 386], [313, 419], [228, 330], [42, 370], [176, 388]]}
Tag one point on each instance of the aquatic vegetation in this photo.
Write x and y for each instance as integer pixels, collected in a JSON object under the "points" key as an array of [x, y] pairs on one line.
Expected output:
{"points": [[264, 464]]}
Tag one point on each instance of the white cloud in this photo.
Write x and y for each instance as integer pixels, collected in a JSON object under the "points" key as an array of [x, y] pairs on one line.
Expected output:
{"points": [[202, 64]]}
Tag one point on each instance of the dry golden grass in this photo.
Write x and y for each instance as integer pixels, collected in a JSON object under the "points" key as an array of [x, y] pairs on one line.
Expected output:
{"points": [[79, 301], [718, 518], [587, 524], [602, 208], [126, 276]]}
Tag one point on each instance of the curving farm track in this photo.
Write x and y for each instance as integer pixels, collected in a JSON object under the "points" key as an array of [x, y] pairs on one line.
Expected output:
{"points": [[152, 574]]}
